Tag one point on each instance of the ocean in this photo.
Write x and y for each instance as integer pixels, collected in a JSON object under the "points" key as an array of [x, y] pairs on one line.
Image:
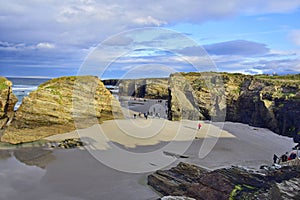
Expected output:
{"points": [[23, 86]]}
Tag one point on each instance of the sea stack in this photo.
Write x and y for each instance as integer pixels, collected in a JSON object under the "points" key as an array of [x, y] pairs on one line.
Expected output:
{"points": [[7, 102], [62, 105]]}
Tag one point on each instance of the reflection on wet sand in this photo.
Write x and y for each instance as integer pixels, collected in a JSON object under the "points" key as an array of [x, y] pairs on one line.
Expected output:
{"points": [[67, 174], [32, 156]]}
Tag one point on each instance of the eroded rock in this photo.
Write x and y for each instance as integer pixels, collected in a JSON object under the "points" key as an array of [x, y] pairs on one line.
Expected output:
{"points": [[7, 102], [62, 105], [271, 102], [151, 88], [228, 183]]}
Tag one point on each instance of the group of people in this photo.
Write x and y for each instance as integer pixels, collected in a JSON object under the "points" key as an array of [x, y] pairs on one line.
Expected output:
{"points": [[140, 115], [284, 158], [147, 114]]}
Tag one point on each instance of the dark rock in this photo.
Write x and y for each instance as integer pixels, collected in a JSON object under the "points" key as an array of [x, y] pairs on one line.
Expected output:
{"points": [[70, 143], [226, 183]]}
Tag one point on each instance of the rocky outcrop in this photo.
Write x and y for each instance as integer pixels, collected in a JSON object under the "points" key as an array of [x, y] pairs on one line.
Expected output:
{"points": [[265, 101], [227, 183], [62, 105], [196, 96], [7, 102], [151, 88]]}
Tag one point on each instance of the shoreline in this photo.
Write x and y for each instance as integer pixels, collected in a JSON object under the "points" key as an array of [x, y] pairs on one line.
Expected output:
{"points": [[235, 144], [53, 171]]}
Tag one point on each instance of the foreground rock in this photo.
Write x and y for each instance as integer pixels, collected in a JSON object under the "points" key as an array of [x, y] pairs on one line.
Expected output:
{"points": [[66, 144], [265, 101], [7, 102], [62, 105], [232, 183]]}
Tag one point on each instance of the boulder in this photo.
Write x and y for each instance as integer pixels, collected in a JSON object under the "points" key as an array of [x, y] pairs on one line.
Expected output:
{"points": [[7, 102], [62, 105], [227, 183]]}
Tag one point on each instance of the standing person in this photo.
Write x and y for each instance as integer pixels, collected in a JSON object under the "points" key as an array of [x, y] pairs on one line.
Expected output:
{"points": [[284, 157], [199, 126], [275, 157]]}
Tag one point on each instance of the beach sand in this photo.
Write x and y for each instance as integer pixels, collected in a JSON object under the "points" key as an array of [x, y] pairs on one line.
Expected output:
{"points": [[215, 145], [140, 146]]}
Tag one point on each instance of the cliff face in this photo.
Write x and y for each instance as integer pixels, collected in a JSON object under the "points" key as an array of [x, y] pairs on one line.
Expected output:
{"points": [[270, 102], [151, 88], [61, 105], [7, 102], [196, 96]]}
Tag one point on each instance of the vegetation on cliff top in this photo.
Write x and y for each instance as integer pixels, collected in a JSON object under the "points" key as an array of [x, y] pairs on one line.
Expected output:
{"points": [[3, 83]]}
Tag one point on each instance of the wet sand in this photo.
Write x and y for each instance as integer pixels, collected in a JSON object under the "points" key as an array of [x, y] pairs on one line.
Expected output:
{"points": [[136, 145], [215, 145], [73, 175]]}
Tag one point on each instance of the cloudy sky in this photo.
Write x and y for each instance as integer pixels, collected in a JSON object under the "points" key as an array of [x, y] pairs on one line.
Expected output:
{"points": [[113, 38]]}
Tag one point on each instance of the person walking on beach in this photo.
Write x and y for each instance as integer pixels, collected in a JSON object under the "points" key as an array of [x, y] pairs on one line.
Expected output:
{"points": [[199, 126]]}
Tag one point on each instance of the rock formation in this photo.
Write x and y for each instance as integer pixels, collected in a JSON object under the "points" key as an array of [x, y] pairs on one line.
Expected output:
{"points": [[151, 88], [62, 105], [7, 102], [265, 101], [227, 183], [271, 102]]}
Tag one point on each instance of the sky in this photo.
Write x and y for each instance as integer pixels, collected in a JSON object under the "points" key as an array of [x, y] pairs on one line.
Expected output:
{"points": [[131, 38]]}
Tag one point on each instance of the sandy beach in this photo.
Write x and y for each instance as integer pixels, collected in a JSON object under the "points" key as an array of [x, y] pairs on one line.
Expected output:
{"points": [[140, 146], [215, 145]]}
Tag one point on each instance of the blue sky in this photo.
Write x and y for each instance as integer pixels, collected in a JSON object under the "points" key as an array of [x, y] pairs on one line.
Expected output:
{"points": [[112, 39]]}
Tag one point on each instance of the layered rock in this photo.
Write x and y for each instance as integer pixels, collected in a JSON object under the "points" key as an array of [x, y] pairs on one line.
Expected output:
{"points": [[62, 105], [266, 101], [7, 102], [151, 88], [227, 183], [196, 96]]}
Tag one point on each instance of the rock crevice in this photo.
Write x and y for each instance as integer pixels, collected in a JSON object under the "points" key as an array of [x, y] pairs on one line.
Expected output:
{"points": [[7, 102]]}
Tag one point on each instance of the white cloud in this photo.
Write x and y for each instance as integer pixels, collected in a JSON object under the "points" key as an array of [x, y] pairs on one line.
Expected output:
{"points": [[82, 22], [45, 45], [75, 26], [148, 21]]}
